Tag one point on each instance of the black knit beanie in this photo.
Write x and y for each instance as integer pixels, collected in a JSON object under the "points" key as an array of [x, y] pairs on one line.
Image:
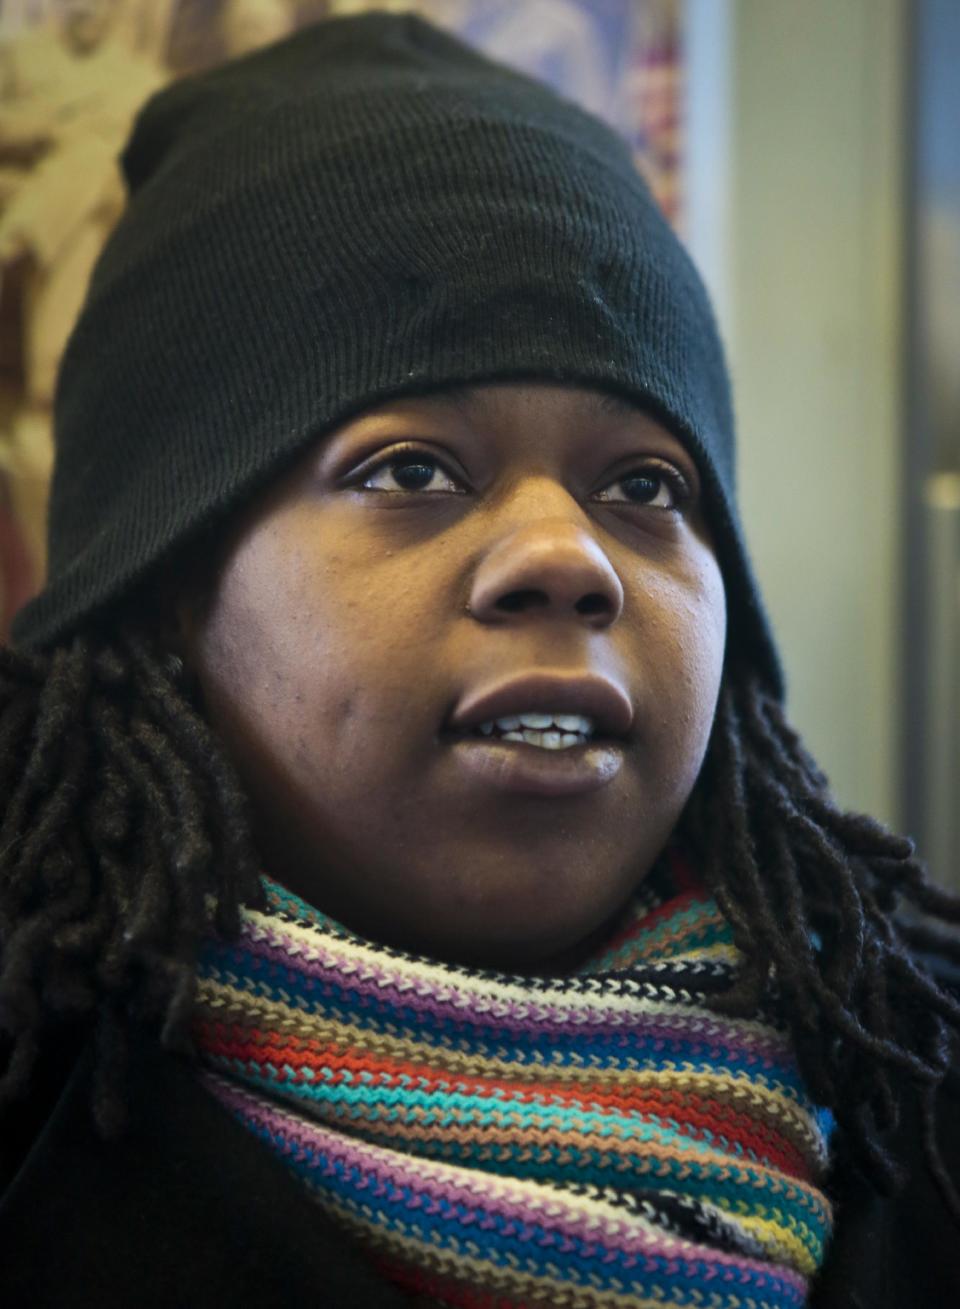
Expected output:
{"points": [[366, 209]]}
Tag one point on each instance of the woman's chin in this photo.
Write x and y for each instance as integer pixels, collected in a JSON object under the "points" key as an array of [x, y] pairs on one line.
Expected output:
{"points": [[537, 945], [528, 916]]}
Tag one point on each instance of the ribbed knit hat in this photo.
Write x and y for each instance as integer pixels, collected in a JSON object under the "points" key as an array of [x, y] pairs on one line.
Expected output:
{"points": [[366, 209]]}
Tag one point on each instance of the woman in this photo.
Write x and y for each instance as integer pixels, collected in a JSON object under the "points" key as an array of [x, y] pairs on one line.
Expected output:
{"points": [[406, 853]]}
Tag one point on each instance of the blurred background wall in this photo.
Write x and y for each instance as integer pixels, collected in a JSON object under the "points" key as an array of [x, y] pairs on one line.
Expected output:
{"points": [[794, 146], [809, 283], [822, 184]]}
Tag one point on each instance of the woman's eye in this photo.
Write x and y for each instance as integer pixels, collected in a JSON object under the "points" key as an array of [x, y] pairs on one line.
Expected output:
{"points": [[409, 472], [654, 486]]}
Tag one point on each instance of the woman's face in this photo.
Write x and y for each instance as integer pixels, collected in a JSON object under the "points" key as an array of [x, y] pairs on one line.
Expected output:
{"points": [[437, 566]]}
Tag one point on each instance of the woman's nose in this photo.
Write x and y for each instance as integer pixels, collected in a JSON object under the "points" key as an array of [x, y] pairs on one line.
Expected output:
{"points": [[550, 566]]}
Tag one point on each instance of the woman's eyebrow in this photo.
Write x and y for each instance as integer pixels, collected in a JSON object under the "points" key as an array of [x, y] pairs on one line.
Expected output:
{"points": [[606, 402]]}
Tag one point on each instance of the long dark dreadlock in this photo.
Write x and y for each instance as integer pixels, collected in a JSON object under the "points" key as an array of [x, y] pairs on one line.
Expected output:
{"points": [[123, 815], [812, 893]]}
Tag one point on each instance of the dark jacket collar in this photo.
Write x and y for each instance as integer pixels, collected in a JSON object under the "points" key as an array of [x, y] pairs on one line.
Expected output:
{"points": [[189, 1210]]}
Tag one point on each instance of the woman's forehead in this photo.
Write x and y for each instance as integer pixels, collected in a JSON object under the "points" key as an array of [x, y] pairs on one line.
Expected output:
{"points": [[500, 402]]}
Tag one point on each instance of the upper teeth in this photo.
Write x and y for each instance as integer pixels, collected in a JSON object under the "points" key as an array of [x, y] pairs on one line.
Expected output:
{"points": [[537, 722]]}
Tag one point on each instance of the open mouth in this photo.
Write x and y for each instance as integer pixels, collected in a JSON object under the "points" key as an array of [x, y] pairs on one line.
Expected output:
{"points": [[505, 730], [539, 754], [546, 731]]}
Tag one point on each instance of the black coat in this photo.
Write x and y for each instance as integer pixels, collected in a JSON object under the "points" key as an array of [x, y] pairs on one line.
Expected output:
{"points": [[192, 1210]]}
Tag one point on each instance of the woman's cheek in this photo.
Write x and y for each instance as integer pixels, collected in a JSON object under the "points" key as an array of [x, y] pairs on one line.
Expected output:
{"points": [[693, 633]]}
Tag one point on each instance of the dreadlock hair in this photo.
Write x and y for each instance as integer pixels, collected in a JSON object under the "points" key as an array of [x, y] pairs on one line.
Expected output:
{"points": [[812, 892], [123, 815]]}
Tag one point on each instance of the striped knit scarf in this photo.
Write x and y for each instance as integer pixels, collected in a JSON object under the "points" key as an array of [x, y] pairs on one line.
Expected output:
{"points": [[600, 1139]]}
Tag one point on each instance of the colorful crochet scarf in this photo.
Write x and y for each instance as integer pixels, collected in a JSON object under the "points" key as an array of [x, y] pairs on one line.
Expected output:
{"points": [[599, 1139]]}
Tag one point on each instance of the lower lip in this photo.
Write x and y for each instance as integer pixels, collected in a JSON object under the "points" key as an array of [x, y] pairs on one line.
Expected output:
{"points": [[531, 770]]}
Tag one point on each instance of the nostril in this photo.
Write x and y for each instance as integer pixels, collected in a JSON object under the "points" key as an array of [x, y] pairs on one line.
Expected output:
{"points": [[516, 600], [595, 603]]}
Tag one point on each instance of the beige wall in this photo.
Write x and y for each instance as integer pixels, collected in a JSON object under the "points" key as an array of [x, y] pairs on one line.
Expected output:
{"points": [[813, 309]]}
